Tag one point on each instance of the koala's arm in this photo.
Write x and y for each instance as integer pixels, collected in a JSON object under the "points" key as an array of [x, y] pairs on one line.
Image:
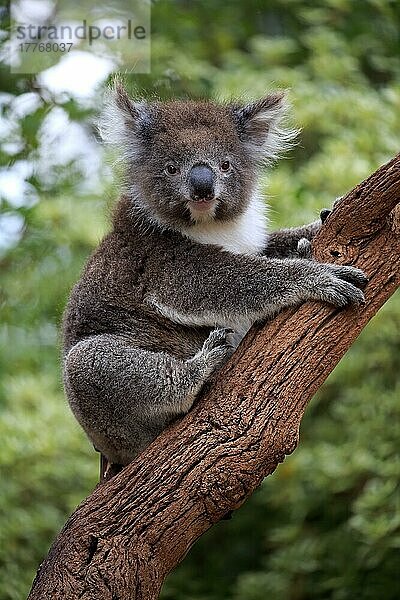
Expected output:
{"points": [[206, 286], [284, 242]]}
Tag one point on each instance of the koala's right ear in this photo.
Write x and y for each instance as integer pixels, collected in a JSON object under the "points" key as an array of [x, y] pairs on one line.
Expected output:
{"points": [[123, 121]]}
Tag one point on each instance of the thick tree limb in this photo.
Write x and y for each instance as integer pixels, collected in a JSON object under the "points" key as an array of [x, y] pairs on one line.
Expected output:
{"points": [[123, 540]]}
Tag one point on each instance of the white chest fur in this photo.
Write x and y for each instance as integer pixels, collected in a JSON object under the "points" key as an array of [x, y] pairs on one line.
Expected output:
{"points": [[245, 235]]}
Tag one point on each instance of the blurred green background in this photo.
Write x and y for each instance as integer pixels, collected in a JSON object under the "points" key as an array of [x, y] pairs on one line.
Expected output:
{"points": [[327, 523]]}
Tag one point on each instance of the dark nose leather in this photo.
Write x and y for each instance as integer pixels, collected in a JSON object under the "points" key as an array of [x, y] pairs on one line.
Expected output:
{"points": [[201, 181]]}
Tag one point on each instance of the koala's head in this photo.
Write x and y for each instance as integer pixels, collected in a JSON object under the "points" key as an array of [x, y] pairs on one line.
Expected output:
{"points": [[191, 162]]}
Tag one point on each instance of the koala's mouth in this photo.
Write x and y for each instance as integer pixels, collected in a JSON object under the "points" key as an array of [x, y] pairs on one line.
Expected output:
{"points": [[203, 204], [202, 209]]}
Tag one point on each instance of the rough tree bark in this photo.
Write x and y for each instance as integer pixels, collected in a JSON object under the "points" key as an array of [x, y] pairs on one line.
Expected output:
{"points": [[123, 540]]}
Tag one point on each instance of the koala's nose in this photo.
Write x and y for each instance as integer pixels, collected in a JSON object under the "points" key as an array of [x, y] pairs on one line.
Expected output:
{"points": [[201, 181]]}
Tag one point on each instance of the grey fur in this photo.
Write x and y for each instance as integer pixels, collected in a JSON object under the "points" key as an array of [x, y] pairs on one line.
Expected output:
{"points": [[156, 311]]}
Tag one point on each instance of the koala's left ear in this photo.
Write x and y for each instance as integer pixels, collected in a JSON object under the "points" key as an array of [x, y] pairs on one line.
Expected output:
{"points": [[259, 126]]}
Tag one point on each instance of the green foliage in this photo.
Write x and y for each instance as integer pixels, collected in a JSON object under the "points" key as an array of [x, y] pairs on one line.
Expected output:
{"points": [[326, 524]]}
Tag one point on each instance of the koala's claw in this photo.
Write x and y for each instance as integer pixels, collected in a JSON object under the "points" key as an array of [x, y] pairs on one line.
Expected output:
{"points": [[342, 293], [350, 274], [324, 214]]}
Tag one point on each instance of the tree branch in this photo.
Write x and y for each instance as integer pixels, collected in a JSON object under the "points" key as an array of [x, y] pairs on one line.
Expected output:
{"points": [[123, 540]]}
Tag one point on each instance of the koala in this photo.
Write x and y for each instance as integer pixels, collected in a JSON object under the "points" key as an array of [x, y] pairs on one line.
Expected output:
{"points": [[187, 267]]}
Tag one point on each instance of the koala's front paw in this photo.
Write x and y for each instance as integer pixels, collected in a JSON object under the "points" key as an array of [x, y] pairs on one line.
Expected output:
{"points": [[351, 274], [325, 212], [339, 285]]}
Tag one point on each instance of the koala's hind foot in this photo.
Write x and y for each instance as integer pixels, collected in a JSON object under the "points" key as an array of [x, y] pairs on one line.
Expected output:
{"points": [[216, 350]]}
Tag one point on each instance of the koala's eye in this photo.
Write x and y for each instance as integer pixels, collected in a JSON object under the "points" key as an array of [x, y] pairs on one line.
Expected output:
{"points": [[171, 170], [225, 166]]}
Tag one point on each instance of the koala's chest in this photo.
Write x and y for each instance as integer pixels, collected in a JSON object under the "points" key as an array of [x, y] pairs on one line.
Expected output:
{"points": [[232, 240], [245, 235]]}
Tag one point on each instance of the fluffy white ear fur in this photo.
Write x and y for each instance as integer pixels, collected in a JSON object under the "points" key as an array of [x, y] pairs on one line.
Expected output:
{"points": [[121, 121], [261, 127]]}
